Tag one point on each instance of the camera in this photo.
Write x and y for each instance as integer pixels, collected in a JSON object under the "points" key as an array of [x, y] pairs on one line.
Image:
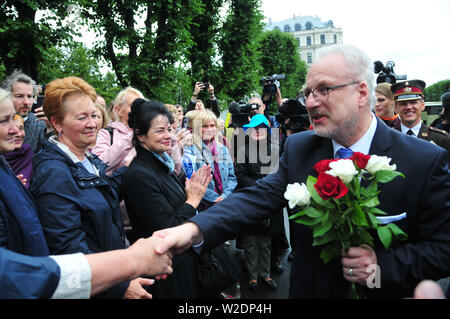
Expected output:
{"points": [[295, 111], [270, 83], [386, 72], [241, 111], [206, 84]]}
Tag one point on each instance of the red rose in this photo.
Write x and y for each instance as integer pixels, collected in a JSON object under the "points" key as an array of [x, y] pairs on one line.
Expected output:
{"points": [[360, 159], [323, 166], [329, 186]]}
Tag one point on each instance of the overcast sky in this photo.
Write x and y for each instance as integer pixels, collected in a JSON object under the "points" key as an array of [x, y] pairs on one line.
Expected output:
{"points": [[412, 33]]}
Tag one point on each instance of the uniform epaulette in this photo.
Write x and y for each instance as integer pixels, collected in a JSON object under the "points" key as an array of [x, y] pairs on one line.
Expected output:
{"points": [[435, 129]]}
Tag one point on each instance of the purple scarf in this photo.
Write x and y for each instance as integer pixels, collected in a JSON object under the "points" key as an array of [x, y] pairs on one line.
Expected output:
{"points": [[216, 175], [20, 161]]}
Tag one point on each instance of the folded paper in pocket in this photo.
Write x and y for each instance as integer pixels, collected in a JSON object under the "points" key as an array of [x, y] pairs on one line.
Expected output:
{"points": [[390, 219]]}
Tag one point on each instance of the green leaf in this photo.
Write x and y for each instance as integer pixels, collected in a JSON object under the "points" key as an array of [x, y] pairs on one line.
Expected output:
{"points": [[385, 176], [397, 232], [370, 191], [301, 213], [305, 220], [312, 212], [321, 229], [371, 202], [373, 219], [376, 211], [358, 217], [326, 238], [385, 236], [330, 252]]}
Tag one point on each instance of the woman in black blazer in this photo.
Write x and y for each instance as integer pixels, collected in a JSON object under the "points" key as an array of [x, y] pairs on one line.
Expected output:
{"points": [[156, 198]]}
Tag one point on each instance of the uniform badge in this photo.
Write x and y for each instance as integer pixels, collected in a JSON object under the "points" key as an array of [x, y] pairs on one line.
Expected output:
{"points": [[407, 89]]}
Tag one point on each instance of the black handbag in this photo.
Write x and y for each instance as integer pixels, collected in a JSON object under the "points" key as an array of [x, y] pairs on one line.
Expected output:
{"points": [[216, 270]]}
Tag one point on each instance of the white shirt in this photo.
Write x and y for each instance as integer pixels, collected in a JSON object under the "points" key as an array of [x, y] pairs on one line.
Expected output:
{"points": [[415, 129], [363, 144]]}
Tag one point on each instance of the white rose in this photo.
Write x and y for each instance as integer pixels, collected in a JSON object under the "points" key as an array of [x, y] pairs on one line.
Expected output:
{"points": [[297, 195], [344, 169], [377, 163]]}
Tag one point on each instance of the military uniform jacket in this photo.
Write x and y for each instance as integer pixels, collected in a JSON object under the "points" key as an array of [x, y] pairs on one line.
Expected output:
{"points": [[434, 135]]}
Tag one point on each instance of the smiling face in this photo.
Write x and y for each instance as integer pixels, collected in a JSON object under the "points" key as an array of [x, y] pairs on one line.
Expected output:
{"points": [[8, 128], [410, 112], [77, 129], [18, 138], [159, 136]]}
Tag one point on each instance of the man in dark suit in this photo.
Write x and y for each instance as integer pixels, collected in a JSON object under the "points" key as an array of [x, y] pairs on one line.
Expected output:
{"points": [[339, 96]]}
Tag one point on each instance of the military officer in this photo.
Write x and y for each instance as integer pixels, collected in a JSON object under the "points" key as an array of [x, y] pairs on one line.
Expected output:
{"points": [[409, 105]]}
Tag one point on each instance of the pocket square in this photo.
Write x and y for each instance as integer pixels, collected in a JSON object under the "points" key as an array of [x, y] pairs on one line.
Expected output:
{"points": [[389, 219]]}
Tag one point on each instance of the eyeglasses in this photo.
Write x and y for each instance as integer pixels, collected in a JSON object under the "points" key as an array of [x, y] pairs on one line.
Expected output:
{"points": [[321, 93]]}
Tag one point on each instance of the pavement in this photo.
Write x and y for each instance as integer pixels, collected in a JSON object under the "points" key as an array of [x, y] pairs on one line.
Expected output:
{"points": [[242, 291]]}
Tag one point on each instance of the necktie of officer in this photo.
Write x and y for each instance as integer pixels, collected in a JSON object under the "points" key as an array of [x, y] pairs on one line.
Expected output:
{"points": [[410, 132], [344, 153]]}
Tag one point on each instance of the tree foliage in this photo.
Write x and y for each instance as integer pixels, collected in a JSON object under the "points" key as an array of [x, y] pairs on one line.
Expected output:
{"points": [[74, 59], [237, 47], [23, 40], [159, 47], [434, 92], [279, 54]]}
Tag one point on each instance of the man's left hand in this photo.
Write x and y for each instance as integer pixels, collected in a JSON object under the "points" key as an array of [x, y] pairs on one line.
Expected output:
{"points": [[355, 264]]}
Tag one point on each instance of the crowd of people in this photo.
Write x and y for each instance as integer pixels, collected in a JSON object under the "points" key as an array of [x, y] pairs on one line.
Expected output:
{"points": [[81, 180]]}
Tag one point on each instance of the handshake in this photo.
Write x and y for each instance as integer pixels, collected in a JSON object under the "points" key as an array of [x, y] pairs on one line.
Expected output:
{"points": [[150, 256]]}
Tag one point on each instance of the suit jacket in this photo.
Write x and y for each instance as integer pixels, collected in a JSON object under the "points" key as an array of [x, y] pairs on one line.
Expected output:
{"points": [[423, 194]]}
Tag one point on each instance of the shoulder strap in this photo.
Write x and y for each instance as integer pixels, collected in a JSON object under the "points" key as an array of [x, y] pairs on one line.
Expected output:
{"points": [[111, 133]]}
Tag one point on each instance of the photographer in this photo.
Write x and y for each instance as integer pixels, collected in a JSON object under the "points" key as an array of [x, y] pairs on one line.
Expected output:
{"points": [[262, 109], [197, 104], [271, 88], [293, 118]]}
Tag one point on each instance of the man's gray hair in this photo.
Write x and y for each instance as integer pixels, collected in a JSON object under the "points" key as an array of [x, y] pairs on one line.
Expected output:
{"points": [[360, 65], [19, 76]]}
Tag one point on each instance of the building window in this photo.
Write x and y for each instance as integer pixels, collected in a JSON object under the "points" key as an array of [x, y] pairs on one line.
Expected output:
{"points": [[298, 39], [308, 26], [298, 27], [322, 39], [287, 28], [308, 40], [309, 57], [335, 39]]}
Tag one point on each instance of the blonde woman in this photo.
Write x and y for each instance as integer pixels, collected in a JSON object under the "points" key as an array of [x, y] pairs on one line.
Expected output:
{"points": [[209, 150], [384, 107], [113, 145]]}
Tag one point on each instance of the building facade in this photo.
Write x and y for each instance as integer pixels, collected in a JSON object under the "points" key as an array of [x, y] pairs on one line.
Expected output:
{"points": [[311, 34]]}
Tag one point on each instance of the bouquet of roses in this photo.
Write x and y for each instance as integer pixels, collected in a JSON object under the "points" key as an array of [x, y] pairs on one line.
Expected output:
{"points": [[339, 209]]}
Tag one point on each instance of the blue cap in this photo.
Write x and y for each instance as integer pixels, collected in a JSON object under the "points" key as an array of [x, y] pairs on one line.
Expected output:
{"points": [[257, 120]]}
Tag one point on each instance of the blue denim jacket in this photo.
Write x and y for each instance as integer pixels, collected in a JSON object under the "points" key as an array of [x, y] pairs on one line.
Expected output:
{"points": [[226, 170]]}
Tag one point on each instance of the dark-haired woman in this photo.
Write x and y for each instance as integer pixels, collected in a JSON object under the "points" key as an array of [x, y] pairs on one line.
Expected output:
{"points": [[156, 198]]}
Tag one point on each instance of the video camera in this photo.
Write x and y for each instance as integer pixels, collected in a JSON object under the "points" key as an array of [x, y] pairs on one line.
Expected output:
{"points": [[386, 73], [295, 111], [270, 83], [240, 112]]}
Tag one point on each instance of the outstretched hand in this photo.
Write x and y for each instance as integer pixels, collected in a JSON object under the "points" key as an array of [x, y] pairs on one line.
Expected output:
{"points": [[178, 239]]}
